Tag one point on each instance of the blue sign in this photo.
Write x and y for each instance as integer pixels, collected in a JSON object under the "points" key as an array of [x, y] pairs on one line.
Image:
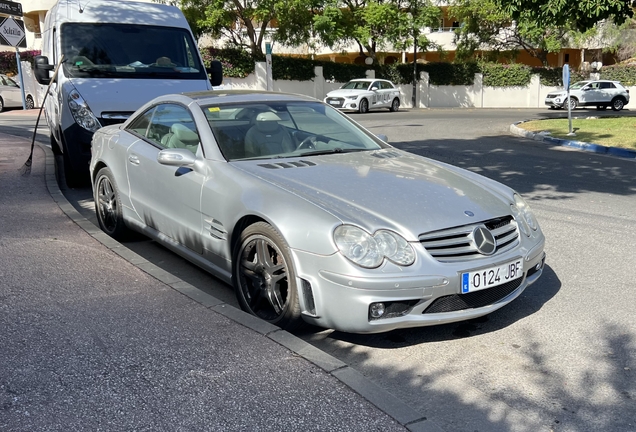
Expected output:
{"points": [[566, 76], [268, 48]]}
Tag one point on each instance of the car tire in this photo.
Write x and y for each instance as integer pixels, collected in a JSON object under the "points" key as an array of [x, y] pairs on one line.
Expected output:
{"points": [[618, 103], [573, 103], [395, 105], [108, 207], [29, 102], [1, 105], [364, 106], [264, 277]]}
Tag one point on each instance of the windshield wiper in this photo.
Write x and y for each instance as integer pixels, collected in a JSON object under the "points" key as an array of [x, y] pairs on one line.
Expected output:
{"points": [[330, 151]]}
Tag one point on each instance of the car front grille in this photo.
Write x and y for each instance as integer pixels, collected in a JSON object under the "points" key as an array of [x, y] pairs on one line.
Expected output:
{"points": [[335, 101], [473, 300], [457, 244]]}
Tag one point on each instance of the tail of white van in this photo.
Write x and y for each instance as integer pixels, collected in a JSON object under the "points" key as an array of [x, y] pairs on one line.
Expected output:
{"points": [[117, 55]]}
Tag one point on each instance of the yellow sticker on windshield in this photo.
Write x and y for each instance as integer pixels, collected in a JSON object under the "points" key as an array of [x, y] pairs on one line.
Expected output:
{"points": [[214, 109]]}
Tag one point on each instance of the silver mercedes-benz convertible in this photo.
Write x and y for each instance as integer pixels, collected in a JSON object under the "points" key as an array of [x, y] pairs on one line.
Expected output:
{"points": [[311, 217]]}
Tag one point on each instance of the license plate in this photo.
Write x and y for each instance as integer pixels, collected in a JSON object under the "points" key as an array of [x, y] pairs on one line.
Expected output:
{"points": [[334, 102], [492, 276]]}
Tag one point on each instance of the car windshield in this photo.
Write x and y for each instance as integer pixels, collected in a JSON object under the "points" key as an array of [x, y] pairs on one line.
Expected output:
{"points": [[285, 129], [578, 85], [356, 85], [95, 50]]}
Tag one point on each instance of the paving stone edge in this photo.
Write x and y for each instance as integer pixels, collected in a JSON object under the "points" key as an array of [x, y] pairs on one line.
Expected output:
{"points": [[589, 147], [390, 404]]}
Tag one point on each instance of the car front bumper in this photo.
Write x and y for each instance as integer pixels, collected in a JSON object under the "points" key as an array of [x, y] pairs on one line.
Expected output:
{"points": [[336, 300]]}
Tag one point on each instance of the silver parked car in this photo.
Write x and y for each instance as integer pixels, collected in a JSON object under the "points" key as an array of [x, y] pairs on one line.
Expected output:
{"points": [[11, 95], [365, 94], [600, 93], [311, 217]]}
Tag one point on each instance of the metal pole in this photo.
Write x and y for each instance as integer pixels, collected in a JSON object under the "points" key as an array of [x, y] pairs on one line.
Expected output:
{"points": [[17, 58], [414, 97]]}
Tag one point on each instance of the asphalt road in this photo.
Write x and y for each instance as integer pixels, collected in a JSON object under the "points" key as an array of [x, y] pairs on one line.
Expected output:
{"points": [[562, 356]]}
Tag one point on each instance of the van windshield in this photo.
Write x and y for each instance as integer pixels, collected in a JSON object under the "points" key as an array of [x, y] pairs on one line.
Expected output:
{"points": [[95, 50]]}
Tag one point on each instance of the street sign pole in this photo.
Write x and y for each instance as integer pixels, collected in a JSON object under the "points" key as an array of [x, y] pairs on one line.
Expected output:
{"points": [[12, 34], [268, 59], [566, 83], [17, 58]]}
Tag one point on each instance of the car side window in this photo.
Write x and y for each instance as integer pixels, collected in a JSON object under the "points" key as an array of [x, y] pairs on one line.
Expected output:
{"points": [[140, 125], [167, 126], [607, 85], [172, 126]]}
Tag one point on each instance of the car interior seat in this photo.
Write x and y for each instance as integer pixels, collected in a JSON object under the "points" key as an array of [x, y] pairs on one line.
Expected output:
{"points": [[182, 137], [267, 137]]}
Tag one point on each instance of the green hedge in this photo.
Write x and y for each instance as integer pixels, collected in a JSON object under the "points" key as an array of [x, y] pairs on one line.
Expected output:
{"points": [[505, 75], [623, 73], [8, 64], [239, 64], [236, 63]]}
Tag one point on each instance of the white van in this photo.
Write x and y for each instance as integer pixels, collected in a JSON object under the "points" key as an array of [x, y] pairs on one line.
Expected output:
{"points": [[118, 54]]}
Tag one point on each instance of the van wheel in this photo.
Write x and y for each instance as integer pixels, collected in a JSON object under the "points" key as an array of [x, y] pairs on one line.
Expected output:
{"points": [[74, 179], [618, 104], [29, 102]]}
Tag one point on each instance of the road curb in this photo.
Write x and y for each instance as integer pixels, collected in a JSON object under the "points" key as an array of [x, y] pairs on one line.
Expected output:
{"points": [[580, 145], [386, 402]]}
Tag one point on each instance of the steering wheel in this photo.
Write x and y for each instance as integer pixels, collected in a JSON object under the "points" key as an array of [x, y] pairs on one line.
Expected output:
{"points": [[307, 143]]}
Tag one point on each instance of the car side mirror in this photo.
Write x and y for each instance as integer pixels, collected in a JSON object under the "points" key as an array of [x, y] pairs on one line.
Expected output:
{"points": [[586, 88], [215, 73], [383, 137], [42, 68], [374, 88], [176, 157]]}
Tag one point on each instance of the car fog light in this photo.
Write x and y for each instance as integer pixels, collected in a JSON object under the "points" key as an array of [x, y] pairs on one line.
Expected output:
{"points": [[376, 310], [538, 266], [353, 105]]}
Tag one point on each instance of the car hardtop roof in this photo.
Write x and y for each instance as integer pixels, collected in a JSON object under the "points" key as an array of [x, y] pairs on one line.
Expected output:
{"points": [[369, 79], [212, 97]]}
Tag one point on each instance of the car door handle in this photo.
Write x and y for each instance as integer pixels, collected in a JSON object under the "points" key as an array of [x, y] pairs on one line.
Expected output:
{"points": [[133, 159]]}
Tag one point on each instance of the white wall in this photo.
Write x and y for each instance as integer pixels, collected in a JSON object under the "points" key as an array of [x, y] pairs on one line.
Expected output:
{"points": [[429, 96]]}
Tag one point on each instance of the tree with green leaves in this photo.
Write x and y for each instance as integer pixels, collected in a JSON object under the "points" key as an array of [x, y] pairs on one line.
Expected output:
{"points": [[539, 27], [580, 15], [243, 23], [486, 26], [373, 25]]}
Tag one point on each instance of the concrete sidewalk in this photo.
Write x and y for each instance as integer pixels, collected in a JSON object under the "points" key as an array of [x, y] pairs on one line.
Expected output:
{"points": [[93, 340]]}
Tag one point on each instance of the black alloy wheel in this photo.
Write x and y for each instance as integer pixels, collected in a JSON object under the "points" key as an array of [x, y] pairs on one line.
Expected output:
{"points": [[108, 205], [264, 277], [29, 102]]}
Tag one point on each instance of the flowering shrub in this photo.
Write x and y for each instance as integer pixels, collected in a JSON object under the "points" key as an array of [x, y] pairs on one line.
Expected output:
{"points": [[8, 63]]}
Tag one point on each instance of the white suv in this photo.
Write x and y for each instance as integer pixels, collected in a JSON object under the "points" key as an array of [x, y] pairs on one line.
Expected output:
{"points": [[599, 93]]}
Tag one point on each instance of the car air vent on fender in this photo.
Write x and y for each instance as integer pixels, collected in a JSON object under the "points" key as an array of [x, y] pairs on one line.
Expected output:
{"points": [[294, 164], [386, 154], [458, 244]]}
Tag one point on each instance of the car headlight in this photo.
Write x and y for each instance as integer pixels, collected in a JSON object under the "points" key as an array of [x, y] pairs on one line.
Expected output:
{"points": [[82, 114], [351, 97], [523, 214], [369, 251]]}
